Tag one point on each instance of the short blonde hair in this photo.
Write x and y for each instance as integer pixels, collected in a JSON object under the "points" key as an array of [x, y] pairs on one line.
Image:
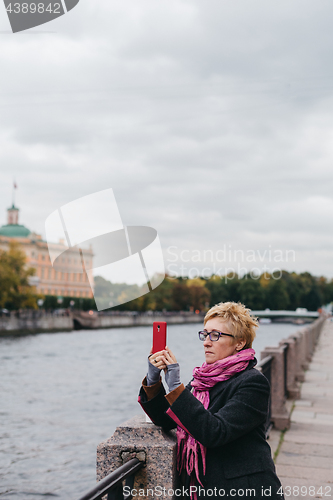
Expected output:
{"points": [[241, 324]]}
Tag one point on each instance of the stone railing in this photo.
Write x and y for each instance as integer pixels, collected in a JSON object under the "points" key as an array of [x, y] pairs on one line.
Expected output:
{"points": [[290, 360], [149, 443]]}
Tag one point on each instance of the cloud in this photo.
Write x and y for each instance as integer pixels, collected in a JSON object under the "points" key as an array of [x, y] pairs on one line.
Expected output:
{"points": [[211, 121]]}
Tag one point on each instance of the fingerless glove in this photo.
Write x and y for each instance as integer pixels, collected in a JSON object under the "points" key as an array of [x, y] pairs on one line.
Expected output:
{"points": [[153, 374], [172, 376]]}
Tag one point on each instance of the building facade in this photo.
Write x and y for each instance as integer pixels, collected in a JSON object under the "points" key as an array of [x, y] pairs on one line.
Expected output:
{"points": [[67, 278]]}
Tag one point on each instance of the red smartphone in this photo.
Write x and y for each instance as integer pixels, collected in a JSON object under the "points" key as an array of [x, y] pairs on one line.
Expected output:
{"points": [[159, 335]]}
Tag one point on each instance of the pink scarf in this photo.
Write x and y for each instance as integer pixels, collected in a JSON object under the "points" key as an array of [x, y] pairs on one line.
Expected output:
{"points": [[205, 377]]}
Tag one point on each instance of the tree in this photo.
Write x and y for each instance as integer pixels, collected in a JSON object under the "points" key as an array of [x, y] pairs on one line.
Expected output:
{"points": [[223, 288], [218, 290], [15, 291], [312, 297], [325, 289], [251, 292], [277, 295], [329, 292], [109, 294], [199, 297], [160, 298], [294, 289], [180, 296]]}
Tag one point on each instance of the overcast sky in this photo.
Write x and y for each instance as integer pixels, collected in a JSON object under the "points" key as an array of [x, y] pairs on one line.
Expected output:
{"points": [[211, 120]]}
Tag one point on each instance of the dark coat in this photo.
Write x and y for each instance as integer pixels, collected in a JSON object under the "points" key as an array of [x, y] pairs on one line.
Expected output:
{"points": [[232, 429]]}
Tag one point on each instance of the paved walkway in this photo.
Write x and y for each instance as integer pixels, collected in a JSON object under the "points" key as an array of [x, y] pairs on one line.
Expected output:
{"points": [[306, 455]]}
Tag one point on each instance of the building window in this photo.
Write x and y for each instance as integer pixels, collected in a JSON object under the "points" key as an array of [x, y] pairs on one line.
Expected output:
{"points": [[42, 272]]}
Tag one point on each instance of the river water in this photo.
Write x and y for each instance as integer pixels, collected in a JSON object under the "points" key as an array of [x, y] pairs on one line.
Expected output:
{"points": [[63, 393]]}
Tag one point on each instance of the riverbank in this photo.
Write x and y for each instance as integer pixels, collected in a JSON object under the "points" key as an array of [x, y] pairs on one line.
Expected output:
{"points": [[27, 322], [33, 322]]}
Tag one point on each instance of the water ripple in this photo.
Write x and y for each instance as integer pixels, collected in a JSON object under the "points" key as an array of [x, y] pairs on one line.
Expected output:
{"points": [[64, 393]]}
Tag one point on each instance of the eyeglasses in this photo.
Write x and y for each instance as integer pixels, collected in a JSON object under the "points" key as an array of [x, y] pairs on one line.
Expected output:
{"points": [[214, 335]]}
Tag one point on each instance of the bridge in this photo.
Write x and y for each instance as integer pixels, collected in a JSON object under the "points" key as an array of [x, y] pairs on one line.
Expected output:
{"points": [[299, 313]]}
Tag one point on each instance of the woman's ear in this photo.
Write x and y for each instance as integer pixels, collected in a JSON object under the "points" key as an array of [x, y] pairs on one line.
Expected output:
{"points": [[240, 344]]}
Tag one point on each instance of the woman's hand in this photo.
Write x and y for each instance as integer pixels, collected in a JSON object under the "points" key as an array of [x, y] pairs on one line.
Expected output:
{"points": [[156, 359], [162, 359], [167, 357], [154, 369]]}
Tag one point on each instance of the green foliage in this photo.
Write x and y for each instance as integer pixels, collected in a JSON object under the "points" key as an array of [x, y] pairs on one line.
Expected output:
{"points": [[251, 293], [83, 304], [283, 291], [277, 295], [294, 289], [112, 293], [180, 296], [15, 291], [223, 289]]}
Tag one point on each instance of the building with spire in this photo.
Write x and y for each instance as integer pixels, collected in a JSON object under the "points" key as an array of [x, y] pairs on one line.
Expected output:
{"points": [[13, 229], [66, 279]]}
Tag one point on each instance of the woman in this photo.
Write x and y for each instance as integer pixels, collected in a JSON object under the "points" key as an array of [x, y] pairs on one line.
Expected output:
{"points": [[220, 416]]}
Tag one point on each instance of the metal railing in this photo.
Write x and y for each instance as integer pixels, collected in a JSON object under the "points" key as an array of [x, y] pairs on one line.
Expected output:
{"points": [[265, 366], [112, 485]]}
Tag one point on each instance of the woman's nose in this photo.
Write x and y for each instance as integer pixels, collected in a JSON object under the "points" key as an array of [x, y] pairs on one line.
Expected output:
{"points": [[207, 340]]}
